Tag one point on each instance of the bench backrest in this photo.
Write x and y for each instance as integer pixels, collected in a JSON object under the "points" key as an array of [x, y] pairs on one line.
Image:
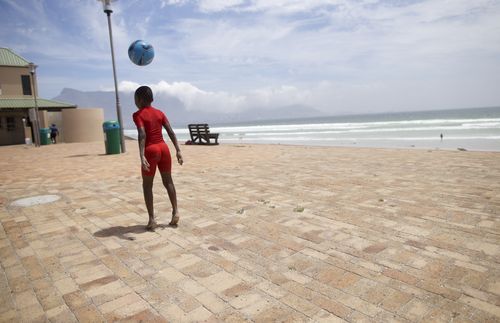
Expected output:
{"points": [[202, 127], [198, 131]]}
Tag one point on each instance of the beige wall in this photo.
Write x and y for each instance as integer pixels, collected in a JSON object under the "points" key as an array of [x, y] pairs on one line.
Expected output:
{"points": [[83, 125], [43, 118], [16, 135], [56, 118], [10, 80]]}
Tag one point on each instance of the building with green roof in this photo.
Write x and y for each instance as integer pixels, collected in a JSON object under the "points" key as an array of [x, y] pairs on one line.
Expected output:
{"points": [[17, 100]]}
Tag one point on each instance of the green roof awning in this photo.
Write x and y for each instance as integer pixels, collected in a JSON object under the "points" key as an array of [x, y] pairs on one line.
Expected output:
{"points": [[9, 58], [29, 102]]}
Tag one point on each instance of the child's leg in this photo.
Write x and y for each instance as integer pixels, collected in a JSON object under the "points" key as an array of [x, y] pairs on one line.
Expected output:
{"points": [[172, 195], [147, 187], [152, 154]]}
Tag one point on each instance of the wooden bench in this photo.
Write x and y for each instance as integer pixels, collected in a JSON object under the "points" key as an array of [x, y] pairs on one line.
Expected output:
{"points": [[200, 134]]}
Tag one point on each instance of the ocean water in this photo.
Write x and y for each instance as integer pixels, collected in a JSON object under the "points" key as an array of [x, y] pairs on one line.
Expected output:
{"points": [[470, 129]]}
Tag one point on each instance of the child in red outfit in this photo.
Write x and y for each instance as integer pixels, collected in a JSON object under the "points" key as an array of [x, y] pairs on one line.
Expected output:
{"points": [[154, 152]]}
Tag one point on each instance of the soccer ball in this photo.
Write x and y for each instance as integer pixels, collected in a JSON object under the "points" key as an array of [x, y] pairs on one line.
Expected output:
{"points": [[141, 53]]}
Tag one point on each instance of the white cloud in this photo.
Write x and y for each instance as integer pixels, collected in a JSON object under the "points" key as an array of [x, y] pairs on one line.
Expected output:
{"points": [[165, 3], [192, 97], [275, 6], [218, 5], [281, 7]]}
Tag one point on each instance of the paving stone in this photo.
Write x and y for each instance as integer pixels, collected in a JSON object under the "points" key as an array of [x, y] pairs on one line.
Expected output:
{"points": [[187, 302], [145, 316], [237, 290], [50, 299], [129, 310], [220, 281], [274, 313], [98, 282], [305, 307], [191, 287], [172, 313], [231, 315], [119, 302], [200, 314], [170, 275], [482, 305], [360, 305], [415, 310], [20, 284], [272, 289], [324, 316], [25, 299], [33, 313], [394, 300], [105, 295], [8, 316], [76, 299], [332, 306], [210, 301], [60, 314], [88, 313], [66, 285]]}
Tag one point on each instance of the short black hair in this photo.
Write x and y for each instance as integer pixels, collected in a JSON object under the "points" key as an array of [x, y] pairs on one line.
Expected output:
{"points": [[144, 93]]}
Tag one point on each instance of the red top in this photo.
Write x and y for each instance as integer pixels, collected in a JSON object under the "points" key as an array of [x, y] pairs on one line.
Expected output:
{"points": [[152, 120]]}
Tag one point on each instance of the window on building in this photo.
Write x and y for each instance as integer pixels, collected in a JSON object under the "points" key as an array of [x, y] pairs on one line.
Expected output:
{"points": [[11, 123], [0, 88], [25, 79], [1, 122]]}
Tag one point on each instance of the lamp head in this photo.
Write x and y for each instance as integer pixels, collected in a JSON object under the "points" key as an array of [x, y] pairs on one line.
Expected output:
{"points": [[32, 67], [106, 5]]}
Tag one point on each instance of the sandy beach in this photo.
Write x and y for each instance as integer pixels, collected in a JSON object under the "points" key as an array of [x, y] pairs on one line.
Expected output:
{"points": [[267, 233]]}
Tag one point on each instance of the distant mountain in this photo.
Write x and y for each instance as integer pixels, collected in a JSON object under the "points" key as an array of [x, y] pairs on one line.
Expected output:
{"points": [[175, 110]]}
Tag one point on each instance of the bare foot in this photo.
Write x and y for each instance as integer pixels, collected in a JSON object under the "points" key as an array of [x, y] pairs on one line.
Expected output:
{"points": [[151, 225], [175, 219]]}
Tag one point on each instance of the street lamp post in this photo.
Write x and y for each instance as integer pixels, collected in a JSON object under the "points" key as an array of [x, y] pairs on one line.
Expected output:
{"points": [[35, 121], [107, 9]]}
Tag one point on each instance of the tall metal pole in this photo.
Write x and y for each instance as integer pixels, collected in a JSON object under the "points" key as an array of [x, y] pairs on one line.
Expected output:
{"points": [[118, 109], [37, 134], [35, 122]]}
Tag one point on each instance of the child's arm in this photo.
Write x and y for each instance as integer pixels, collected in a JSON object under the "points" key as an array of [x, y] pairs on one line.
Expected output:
{"points": [[142, 147], [172, 136]]}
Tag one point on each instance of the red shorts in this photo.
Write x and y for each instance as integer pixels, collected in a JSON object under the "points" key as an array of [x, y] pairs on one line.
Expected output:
{"points": [[157, 155]]}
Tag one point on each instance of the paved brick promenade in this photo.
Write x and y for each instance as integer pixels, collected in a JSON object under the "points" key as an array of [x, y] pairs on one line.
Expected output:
{"points": [[267, 233]]}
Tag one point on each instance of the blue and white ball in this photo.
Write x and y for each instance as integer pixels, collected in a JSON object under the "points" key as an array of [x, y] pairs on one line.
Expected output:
{"points": [[141, 53]]}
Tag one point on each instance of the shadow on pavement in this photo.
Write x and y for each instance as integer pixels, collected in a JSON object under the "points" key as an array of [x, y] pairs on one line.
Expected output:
{"points": [[121, 231], [85, 155]]}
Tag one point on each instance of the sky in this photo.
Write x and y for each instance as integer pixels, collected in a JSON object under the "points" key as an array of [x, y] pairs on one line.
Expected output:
{"points": [[337, 56]]}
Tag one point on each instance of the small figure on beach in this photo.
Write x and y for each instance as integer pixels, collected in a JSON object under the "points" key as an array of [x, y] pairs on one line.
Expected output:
{"points": [[54, 132], [441, 137], [154, 152]]}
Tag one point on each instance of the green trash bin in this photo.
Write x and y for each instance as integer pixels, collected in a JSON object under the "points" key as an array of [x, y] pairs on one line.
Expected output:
{"points": [[111, 137], [45, 136]]}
